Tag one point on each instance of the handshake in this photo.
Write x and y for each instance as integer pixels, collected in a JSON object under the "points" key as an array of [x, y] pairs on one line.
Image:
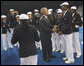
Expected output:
{"points": [[54, 28]]}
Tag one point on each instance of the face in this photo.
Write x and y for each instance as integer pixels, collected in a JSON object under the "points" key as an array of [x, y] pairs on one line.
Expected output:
{"points": [[17, 18], [38, 15], [64, 7], [12, 12], [30, 16], [4, 19], [45, 12], [59, 14], [72, 10]]}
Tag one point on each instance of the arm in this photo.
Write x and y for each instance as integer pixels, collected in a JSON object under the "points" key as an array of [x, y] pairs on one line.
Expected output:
{"points": [[14, 38]]}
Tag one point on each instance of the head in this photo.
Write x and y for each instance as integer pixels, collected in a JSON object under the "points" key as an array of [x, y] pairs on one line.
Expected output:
{"points": [[29, 15], [24, 21], [37, 15], [12, 11], [17, 17], [64, 7], [3, 18], [59, 12], [44, 11], [73, 9]]}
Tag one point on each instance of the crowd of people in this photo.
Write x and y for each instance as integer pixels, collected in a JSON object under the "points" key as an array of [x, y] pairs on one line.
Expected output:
{"points": [[47, 32]]}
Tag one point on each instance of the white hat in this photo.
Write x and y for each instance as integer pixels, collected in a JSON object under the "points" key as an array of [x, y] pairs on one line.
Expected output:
{"points": [[65, 3], [36, 10], [3, 16], [11, 9], [50, 9], [73, 7], [23, 17], [17, 15], [59, 11], [29, 13]]}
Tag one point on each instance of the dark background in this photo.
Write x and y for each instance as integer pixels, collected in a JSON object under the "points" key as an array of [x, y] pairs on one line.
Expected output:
{"points": [[25, 6]]}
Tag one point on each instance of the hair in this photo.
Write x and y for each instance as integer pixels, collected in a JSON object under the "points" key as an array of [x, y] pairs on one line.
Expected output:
{"points": [[25, 25], [42, 9]]}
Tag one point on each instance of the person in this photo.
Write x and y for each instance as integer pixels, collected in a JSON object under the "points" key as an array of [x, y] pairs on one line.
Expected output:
{"points": [[5, 32], [52, 22], [45, 35], [26, 35], [67, 16], [76, 22], [12, 19], [30, 17], [36, 24], [59, 37], [17, 20]]}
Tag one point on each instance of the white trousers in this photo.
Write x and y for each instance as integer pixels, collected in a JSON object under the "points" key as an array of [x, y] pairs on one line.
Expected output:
{"points": [[31, 60], [68, 44], [59, 42], [5, 38], [76, 43], [53, 41]]}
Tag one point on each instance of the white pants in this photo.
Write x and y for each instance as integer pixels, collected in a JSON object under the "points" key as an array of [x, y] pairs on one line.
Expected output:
{"points": [[68, 44], [53, 41], [31, 60], [76, 43], [5, 38], [59, 42], [12, 30]]}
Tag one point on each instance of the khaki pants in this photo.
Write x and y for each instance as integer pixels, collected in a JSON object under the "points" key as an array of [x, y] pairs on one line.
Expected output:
{"points": [[31, 60]]}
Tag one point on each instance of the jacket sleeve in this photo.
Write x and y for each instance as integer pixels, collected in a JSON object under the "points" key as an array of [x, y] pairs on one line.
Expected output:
{"points": [[45, 27], [37, 38], [14, 38], [78, 20]]}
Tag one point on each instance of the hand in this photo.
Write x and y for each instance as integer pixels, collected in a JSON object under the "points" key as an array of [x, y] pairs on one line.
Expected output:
{"points": [[59, 32], [54, 29]]}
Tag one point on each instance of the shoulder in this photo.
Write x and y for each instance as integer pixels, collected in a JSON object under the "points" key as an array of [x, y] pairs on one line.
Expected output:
{"points": [[32, 27]]}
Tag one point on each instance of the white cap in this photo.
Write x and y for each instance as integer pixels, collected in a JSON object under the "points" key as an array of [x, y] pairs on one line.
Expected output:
{"points": [[65, 3], [73, 7], [23, 17], [50, 9], [36, 10], [29, 13], [17, 15], [11, 9], [59, 11], [3, 16]]}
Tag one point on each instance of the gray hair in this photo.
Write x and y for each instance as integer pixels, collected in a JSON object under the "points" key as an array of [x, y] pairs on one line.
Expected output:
{"points": [[42, 9]]}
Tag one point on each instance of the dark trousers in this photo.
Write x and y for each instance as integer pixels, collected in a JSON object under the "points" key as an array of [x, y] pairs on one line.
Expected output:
{"points": [[46, 47]]}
